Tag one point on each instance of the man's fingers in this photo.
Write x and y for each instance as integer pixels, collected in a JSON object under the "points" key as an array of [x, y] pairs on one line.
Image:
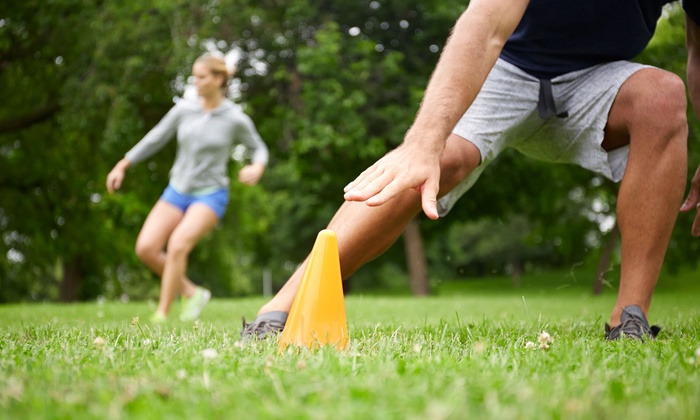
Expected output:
{"points": [[695, 229], [395, 173], [369, 187], [364, 179], [690, 203], [693, 203], [429, 193], [354, 182], [390, 190], [360, 178]]}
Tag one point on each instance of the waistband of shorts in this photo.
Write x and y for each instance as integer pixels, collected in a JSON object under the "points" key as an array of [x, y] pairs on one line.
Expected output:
{"points": [[199, 192]]}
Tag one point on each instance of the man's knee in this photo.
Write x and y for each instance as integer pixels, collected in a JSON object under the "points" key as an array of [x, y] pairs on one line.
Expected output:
{"points": [[459, 159], [660, 99]]}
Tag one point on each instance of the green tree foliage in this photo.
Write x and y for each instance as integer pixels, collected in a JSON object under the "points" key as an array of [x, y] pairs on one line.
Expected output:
{"points": [[82, 82], [331, 85], [344, 82]]}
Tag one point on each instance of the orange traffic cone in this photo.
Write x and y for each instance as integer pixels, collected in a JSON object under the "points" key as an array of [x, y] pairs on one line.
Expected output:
{"points": [[317, 317]]}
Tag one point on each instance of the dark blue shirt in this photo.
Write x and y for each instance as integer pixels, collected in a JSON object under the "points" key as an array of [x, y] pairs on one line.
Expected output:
{"points": [[559, 36]]}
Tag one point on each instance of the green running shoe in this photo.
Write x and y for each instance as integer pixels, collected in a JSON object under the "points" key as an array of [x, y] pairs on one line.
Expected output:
{"points": [[192, 307], [158, 318]]}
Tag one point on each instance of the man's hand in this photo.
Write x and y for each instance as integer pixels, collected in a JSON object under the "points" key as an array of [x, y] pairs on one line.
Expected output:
{"points": [[693, 76], [471, 51], [251, 174], [407, 167], [693, 202]]}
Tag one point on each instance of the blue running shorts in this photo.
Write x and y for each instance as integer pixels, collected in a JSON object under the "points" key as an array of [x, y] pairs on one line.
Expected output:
{"points": [[217, 200]]}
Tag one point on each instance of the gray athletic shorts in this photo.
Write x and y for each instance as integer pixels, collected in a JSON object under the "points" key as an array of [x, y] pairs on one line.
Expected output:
{"points": [[508, 113]]}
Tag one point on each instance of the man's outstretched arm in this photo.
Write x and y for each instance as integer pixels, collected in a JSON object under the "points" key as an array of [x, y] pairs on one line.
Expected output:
{"points": [[470, 53], [692, 202]]}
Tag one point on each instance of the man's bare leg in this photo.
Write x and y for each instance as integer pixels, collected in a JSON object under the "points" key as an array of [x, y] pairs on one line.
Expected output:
{"points": [[366, 232], [649, 114]]}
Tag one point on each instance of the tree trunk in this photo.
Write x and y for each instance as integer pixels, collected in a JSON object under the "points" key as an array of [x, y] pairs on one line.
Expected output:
{"points": [[517, 273], [415, 255], [71, 281], [605, 258]]}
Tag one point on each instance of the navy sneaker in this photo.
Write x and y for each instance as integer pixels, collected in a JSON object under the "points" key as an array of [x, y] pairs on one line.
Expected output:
{"points": [[633, 324], [264, 326]]}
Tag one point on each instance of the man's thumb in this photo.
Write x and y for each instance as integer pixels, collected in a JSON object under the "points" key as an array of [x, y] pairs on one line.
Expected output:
{"points": [[429, 198]]}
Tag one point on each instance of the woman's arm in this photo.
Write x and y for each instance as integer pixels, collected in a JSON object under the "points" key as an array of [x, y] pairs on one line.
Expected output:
{"points": [[115, 177], [158, 137], [248, 135]]}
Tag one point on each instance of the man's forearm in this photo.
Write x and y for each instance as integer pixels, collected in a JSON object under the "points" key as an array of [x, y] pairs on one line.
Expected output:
{"points": [[470, 53]]}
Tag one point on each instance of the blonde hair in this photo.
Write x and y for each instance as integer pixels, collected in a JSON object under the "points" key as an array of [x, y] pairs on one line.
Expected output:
{"points": [[218, 67]]}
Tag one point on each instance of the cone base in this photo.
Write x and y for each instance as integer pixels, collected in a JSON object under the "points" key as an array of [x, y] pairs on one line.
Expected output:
{"points": [[317, 317]]}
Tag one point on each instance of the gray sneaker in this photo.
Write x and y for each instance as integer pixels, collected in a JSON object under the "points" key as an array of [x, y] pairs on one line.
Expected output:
{"points": [[264, 326], [633, 324]]}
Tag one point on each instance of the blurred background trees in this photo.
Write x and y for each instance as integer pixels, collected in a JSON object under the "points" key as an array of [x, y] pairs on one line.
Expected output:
{"points": [[331, 85]]}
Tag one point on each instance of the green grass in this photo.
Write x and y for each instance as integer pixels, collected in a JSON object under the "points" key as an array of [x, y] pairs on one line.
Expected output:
{"points": [[460, 354]]}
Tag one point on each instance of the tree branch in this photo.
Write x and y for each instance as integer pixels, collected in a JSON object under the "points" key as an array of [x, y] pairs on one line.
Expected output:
{"points": [[33, 117]]}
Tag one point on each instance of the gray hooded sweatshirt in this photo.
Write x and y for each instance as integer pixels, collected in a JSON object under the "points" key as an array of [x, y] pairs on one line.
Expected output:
{"points": [[204, 143]]}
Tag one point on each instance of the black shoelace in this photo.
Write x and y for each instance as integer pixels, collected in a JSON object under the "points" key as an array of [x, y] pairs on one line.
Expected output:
{"points": [[637, 327], [633, 327]]}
